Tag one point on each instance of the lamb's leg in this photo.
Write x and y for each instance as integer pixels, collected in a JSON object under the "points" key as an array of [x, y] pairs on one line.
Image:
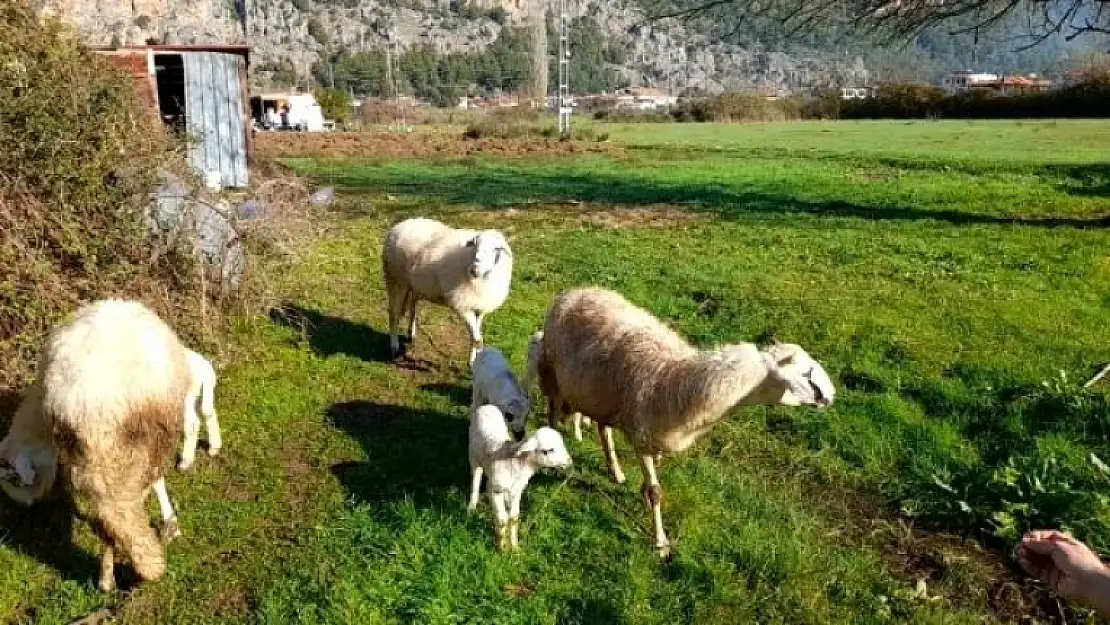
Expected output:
{"points": [[653, 497], [577, 426], [501, 517], [475, 486], [514, 518], [605, 433], [192, 430], [211, 422], [473, 321], [170, 529]]}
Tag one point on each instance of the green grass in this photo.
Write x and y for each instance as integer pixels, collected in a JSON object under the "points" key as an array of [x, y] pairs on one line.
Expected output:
{"points": [[943, 283]]}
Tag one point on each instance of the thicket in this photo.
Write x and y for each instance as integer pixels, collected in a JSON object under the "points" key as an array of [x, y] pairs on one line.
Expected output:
{"points": [[80, 157]]}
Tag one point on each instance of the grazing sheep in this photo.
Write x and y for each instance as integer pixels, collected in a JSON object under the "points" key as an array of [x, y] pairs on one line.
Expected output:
{"points": [[509, 466], [614, 361], [495, 384], [535, 348], [202, 385], [106, 408], [466, 270]]}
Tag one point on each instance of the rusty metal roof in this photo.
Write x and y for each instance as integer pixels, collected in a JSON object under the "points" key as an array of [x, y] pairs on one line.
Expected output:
{"points": [[242, 50]]}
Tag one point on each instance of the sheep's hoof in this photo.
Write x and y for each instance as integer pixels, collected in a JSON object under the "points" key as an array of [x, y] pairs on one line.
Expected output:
{"points": [[213, 451], [170, 530], [663, 551], [185, 465]]}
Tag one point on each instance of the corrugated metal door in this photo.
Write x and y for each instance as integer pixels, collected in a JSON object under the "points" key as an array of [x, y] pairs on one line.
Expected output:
{"points": [[214, 116]]}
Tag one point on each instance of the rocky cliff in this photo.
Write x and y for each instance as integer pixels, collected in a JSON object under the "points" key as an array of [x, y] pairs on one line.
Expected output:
{"points": [[300, 32]]}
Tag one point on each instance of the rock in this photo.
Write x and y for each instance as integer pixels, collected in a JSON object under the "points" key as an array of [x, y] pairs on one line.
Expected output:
{"points": [[252, 209], [323, 197]]}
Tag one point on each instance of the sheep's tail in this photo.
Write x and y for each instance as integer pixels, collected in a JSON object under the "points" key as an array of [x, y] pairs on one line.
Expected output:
{"points": [[535, 350]]}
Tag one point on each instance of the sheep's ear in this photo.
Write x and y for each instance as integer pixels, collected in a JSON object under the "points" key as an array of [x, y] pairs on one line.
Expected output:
{"points": [[472, 242], [786, 360], [25, 470]]}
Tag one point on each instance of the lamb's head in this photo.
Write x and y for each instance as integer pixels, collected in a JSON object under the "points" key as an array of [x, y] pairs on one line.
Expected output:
{"points": [[547, 446], [807, 384], [490, 248], [516, 412]]}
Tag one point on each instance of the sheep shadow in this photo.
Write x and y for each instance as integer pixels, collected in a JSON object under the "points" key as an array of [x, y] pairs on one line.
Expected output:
{"points": [[330, 335], [417, 455], [44, 533]]}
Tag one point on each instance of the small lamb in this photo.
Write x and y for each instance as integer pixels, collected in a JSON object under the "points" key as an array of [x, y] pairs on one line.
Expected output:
{"points": [[202, 385], [510, 466], [495, 384]]}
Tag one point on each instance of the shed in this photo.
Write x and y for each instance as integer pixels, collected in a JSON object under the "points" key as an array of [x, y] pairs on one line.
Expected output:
{"points": [[201, 90]]}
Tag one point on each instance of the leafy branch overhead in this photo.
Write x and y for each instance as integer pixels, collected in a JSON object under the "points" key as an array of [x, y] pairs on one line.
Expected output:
{"points": [[892, 20]]}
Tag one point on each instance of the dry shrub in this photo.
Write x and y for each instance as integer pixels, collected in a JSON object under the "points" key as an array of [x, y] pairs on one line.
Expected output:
{"points": [[383, 112], [79, 159], [513, 122]]}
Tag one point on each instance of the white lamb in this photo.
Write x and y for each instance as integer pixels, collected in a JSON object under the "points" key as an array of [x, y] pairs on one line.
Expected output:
{"points": [[105, 408], [202, 386], [466, 270], [495, 384], [509, 466]]}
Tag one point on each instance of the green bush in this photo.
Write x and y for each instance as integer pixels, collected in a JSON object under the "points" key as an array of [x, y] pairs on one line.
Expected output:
{"points": [[335, 103], [80, 157]]}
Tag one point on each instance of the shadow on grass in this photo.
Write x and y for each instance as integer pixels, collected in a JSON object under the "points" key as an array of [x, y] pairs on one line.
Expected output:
{"points": [[496, 185], [420, 455], [457, 393], [44, 533], [334, 335]]}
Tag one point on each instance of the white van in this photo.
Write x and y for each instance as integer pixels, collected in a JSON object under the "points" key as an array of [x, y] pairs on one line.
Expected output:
{"points": [[305, 113]]}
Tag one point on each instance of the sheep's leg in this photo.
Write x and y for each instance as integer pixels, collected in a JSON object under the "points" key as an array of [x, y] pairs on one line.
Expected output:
{"points": [[396, 298], [412, 317], [578, 426], [514, 519], [475, 486], [653, 497], [554, 412], [192, 431], [170, 529], [127, 526], [605, 433], [473, 321], [107, 581]]}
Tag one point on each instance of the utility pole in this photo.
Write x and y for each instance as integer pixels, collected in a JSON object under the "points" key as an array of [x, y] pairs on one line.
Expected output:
{"points": [[393, 76], [538, 16], [564, 70]]}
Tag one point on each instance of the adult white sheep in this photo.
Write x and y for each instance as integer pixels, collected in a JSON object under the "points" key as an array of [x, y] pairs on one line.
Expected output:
{"points": [[605, 357], [508, 467], [494, 383], [202, 386], [468, 271], [106, 409]]}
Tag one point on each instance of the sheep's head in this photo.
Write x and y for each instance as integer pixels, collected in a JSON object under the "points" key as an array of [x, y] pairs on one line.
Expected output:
{"points": [[490, 247], [548, 447], [516, 411], [807, 384]]}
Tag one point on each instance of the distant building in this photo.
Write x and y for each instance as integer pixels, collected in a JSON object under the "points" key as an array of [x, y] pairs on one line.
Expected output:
{"points": [[965, 80], [200, 90], [962, 81], [644, 99], [855, 93]]}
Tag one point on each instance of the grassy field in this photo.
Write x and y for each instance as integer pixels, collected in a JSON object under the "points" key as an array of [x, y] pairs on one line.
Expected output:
{"points": [[953, 278]]}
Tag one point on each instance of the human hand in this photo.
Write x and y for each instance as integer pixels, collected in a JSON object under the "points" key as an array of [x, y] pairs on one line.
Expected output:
{"points": [[1068, 566]]}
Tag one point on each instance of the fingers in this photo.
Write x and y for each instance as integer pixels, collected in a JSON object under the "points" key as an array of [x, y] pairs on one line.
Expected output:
{"points": [[1045, 541]]}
